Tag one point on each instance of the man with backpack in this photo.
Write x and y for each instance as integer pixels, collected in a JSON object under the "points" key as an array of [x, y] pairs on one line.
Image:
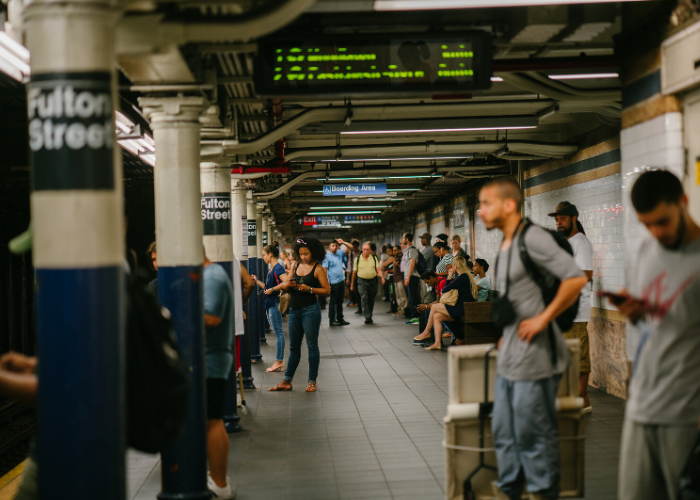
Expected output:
{"points": [[365, 271], [532, 354], [566, 217], [218, 322], [414, 266], [663, 409]]}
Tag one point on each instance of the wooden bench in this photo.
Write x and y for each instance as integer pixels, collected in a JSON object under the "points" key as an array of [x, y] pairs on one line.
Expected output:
{"points": [[476, 324]]}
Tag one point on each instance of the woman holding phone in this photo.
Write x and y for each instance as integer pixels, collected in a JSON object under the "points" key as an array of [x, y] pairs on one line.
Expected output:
{"points": [[305, 282]]}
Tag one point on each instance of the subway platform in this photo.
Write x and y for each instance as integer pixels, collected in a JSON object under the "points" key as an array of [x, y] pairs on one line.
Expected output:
{"points": [[372, 431]]}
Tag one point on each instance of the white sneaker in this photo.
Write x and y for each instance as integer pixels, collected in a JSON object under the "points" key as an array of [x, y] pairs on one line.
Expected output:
{"points": [[219, 492]]}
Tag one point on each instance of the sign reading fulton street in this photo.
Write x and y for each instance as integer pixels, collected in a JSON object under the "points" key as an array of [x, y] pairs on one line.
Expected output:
{"points": [[71, 131], [216, 213]]}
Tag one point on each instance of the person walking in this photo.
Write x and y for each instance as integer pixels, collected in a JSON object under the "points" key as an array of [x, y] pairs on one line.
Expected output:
{"points": [[532, 353], [365, 273], [304, 282], [483, 284], [566, 218], [218, 322], [663, 409], [271, 303], [333, 264]]}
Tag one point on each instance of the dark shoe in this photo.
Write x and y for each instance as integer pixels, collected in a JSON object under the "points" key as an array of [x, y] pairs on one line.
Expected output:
{"points": [[323, 308], [333, 323], [368, 322], [358, 312], [342, 322]]}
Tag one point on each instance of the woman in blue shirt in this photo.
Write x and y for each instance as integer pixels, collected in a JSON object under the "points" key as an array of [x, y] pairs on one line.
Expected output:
{"points": [[271, 255]]}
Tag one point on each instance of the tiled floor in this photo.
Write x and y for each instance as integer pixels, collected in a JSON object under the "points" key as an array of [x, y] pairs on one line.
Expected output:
{"points": [[372, 431]]}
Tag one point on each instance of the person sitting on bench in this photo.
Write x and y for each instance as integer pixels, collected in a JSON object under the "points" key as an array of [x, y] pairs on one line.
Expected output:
{"points": [[431, 297]]}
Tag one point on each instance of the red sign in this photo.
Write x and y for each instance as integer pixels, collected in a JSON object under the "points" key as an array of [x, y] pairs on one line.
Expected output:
{"points": [[309, 220]]}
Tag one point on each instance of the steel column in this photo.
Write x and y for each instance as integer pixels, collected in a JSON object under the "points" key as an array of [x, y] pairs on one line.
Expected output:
{"points": [[179, 233], [253, 269], [78, 244], [218, 245], [239, 200]]}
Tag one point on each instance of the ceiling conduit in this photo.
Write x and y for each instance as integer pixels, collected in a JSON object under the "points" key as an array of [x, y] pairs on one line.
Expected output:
{"points": [[531, 85], [540, 149], [364, 172]]}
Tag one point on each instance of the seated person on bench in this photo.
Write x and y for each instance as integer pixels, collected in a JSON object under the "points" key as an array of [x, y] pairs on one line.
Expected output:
{"points": [[466, 288], [433, 283]]}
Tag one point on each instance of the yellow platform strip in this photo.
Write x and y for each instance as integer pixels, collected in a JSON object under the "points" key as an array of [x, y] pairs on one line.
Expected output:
{"points": [[9, 483]]}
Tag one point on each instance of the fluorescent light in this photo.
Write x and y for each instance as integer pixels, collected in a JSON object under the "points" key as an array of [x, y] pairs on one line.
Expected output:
{"points": [[14, 58], [398, 159], [587, 76], [468, 4], [345, 208], [123, 122], [346, 213], [496, 79], [434, 130], [401, 189], [376, 178]]}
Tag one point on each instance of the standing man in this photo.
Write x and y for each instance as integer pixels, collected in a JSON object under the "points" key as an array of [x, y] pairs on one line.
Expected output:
{"points": [[411, 277], [218, 322], [566, 217], [532, 354], [365, 270], [354, 296], [428, 253], [663, 409], [333, 264]]}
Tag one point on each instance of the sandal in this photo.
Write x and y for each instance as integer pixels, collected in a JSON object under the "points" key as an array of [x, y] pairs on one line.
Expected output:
{"points": [[277, 388], [278, 369], [311, 387]]}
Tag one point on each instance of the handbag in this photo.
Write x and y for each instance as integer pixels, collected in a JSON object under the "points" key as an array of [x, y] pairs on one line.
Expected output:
{"points": [[450, 298], [285, 298]]}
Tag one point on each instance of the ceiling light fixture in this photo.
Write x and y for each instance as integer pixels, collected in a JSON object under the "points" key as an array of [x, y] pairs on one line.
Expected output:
{"points": [[345, 208], [402, 159], [359, 212], [496, 79], [585, 76], [427, 125], [14, 58], [468, 4]]}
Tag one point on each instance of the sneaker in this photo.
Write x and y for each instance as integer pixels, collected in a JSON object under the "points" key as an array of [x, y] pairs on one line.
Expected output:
{"points": [[224, 493], [239, 401], [333, 323], [588, 409], [368, 322], [342, 322], [412, 321]]}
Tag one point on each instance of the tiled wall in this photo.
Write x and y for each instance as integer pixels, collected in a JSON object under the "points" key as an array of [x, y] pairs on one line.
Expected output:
{"points": [[486, 243]]}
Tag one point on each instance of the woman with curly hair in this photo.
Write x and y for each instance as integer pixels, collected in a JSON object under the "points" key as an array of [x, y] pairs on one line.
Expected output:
{"points": [[305, 281]]}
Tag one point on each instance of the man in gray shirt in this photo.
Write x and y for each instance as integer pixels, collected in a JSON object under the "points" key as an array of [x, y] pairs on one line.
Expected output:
{"points": [[663, 409], [524, 418], [428, 253]]}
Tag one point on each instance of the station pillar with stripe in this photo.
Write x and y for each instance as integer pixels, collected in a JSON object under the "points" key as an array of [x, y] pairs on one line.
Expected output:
{"points": [[261, 222], [78, 249], [179, 233], [239, 201], [218, 245], [253, 268]]}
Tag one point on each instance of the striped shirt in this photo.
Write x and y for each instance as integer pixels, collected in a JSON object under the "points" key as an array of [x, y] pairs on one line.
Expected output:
{"points": [[444, 262]]}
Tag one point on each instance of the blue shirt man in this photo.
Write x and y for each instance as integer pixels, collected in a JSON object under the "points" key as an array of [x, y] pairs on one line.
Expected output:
{"points": [[333, 263]]}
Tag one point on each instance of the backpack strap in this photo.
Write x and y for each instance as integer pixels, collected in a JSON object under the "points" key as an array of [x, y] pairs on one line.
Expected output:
{"points": [[533, 271]]}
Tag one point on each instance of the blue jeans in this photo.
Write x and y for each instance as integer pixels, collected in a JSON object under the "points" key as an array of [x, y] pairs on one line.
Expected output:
{"points": [[304, 321], [274, 317], [524, 426]]}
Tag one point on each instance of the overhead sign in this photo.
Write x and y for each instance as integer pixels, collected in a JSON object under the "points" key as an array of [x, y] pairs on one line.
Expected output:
{"points": [[362, 219], [320, 221], [353, 189], [373, 64]]}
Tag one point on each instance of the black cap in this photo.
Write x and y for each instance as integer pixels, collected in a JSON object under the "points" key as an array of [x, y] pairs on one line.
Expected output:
{"points": [[565, 208]]}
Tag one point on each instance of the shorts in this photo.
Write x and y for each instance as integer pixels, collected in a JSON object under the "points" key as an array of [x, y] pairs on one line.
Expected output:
{"points": [[216, 397], [580, 331]]}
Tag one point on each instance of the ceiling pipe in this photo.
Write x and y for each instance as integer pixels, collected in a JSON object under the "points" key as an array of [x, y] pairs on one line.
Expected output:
{"points": [[615, 95], [547, 150], [537, 87], [364, 172]]}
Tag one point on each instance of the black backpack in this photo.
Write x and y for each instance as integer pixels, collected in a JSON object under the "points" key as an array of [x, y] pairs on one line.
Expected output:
{"points": [[548, 284], [157, 384], [421, 263]]}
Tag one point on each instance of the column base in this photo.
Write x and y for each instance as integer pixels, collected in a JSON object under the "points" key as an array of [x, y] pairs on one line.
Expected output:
{"points": [[248, 383], [200, 495], [232, 427]]}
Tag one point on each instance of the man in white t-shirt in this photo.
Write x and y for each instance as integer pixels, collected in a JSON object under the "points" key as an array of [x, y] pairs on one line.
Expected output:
{"points": [[566, 217]]}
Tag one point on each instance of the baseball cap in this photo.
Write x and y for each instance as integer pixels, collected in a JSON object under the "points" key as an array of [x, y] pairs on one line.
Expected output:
{"points": [[565, 208], [427, 236]]}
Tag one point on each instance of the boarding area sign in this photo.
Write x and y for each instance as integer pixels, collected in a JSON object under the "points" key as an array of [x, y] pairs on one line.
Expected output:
{"points": [[353, 189]]}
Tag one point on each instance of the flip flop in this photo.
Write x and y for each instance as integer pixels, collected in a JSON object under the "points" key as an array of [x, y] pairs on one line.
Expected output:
{"points": [[270, 370], [277, 388]]}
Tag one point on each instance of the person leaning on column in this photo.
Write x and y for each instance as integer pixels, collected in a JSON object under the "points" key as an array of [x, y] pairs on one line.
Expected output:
{"points": [[566, 217]]}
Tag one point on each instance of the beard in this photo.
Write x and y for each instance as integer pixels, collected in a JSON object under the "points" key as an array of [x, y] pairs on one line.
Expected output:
{"points": [[680, 236], [567, 230]]}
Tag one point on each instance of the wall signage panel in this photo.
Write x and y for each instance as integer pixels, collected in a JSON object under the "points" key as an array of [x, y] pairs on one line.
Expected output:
{"points": [[350, 189]]}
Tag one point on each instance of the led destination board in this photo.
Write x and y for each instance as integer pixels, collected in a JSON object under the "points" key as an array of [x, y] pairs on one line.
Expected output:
{"points": [[352, 65]]}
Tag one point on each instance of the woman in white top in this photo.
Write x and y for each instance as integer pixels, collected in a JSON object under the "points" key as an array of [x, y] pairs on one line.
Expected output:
{"points": [[482, 283], [443, 253]]}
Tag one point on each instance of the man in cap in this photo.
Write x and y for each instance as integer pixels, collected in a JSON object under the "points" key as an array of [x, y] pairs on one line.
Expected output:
{"points": [[566, 217]]}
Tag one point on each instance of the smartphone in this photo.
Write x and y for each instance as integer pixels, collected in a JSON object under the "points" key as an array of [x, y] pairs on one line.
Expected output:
{"points": [[615, 298]]}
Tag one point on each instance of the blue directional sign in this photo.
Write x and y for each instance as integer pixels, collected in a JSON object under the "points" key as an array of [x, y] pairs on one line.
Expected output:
{"points": [[353, 189]]}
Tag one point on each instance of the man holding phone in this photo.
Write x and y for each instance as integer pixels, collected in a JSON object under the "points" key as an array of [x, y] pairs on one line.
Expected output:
{"points": [[566, 217], [663, 409]]}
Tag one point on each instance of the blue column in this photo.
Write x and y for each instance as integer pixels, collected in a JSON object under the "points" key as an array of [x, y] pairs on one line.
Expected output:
{"points": [[239, 200], [78, 245], [253, 268], [179, 228]]}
